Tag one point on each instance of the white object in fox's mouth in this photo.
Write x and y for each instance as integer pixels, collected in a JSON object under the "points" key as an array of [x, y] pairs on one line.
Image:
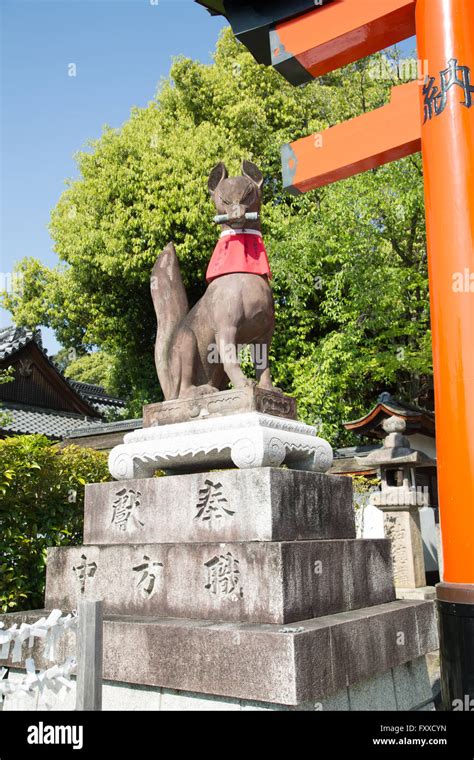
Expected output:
{"points": [[250, 216], [235, 231]]}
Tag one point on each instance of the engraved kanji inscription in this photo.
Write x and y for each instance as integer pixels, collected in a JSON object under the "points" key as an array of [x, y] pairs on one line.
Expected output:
{"points": [[223, 577], [212, 504], [435, 98], [84, 570], [125, 508], [148, 571]]}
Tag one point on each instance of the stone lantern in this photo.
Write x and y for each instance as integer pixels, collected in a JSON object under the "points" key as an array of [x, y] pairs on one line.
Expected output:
{"points": [[399, 499]]}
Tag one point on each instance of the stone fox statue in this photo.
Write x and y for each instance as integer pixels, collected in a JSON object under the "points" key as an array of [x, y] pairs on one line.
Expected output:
{"points": [[197, 350]]}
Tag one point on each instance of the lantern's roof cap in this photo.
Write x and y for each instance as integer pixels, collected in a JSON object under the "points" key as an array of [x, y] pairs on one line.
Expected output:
{"points": [[397, 456], [396, 449]]}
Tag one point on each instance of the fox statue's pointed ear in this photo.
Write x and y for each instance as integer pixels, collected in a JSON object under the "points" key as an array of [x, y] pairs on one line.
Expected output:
{"points": [[216, 176], [252, 172]]}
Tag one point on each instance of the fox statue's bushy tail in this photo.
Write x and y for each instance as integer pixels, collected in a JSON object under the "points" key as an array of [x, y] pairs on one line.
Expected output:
{"points": [[171, 306]]}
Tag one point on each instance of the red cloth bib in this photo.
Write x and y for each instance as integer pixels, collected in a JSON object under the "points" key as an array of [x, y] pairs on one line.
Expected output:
{"points": [[238, 253]]}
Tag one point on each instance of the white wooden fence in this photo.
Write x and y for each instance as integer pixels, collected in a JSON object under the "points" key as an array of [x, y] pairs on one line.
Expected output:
{"points": [[87, 624]]}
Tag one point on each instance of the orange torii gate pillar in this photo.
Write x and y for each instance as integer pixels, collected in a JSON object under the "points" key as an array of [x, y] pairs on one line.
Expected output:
{"points": [[445, 32]]}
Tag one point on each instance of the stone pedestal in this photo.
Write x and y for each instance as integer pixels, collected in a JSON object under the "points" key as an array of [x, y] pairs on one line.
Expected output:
{"points": [[243, 587], [258, 582], [402, 527], [319, 660], [266, 504]]}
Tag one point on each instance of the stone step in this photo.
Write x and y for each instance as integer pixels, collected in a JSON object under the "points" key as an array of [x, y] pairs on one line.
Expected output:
{"points": [[264, 504], [308, 661], [264, 582]]}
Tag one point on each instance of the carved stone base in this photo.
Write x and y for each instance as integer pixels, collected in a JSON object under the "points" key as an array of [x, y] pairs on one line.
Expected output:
{"points": [[263, 504], [256, 581], [237, 401], [239, 440], [291, 665]]}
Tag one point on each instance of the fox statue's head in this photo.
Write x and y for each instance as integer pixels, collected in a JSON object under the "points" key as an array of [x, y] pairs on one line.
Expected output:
{"points": [[237, 199]]}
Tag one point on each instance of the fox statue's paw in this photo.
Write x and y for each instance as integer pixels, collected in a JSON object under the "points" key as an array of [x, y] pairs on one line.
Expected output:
{"points": [[196, 391], [269, 387], [245, 382]]}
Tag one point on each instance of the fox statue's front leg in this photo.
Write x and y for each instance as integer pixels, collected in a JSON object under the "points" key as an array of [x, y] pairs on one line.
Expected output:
{"points": [[262, 364], [227, 345]]}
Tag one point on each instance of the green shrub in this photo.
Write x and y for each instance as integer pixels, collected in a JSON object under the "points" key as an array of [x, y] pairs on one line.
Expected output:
{"points": [[41, 505]]}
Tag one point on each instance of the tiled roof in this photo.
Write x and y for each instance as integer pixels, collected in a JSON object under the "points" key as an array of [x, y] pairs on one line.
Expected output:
{"points": [[106, 427], [13, 338], [402, 406], [23, 419], [89, 389], [418, 419], [98, 397]]}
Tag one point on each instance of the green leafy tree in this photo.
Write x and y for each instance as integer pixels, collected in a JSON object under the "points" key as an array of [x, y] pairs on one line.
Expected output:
{"points": [[64, 357], [41, 505], [6, 376], [348, 260], [97, 368]]}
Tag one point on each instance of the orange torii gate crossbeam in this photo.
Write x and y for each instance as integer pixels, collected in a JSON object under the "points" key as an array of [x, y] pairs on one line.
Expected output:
{"points": [[339, 33], [377, 137]]}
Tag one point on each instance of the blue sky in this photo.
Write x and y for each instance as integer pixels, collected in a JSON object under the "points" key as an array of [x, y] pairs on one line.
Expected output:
{"points": [[121, 49]]}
